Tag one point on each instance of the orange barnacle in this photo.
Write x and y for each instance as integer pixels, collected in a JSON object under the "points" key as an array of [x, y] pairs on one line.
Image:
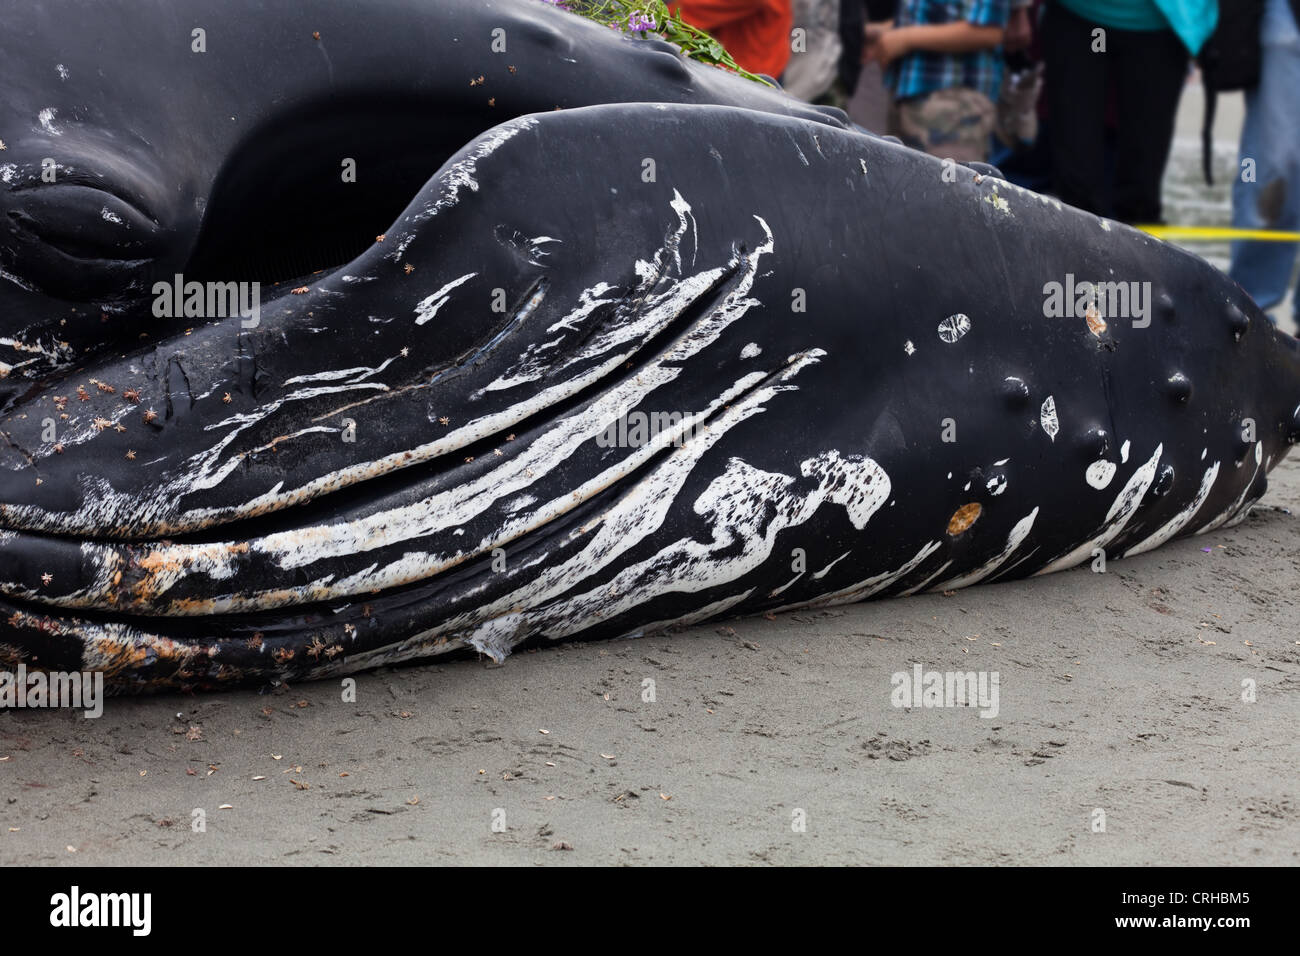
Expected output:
{"points": [[1096, 324], [964, 517]]}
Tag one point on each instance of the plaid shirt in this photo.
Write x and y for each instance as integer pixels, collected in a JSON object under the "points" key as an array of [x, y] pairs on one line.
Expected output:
{"points": [[923, 72]]}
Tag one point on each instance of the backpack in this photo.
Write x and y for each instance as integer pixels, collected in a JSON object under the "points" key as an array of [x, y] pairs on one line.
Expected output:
{"points": [[1229, 61]]}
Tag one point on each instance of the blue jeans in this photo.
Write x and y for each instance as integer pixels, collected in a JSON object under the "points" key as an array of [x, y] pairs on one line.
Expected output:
{"points": [[1271, 138]]}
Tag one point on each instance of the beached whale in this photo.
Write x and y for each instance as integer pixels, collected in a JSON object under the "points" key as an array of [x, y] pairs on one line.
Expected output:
{"points": [[611, 368]]}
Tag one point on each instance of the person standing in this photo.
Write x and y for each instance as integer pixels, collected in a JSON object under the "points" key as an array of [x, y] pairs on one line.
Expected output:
{"points": [[863, 80], [944, 69], [1130, 55], [1266, 192]]}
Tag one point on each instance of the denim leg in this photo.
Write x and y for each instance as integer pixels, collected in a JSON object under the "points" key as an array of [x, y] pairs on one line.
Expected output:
{"points": [[1271, 138]]}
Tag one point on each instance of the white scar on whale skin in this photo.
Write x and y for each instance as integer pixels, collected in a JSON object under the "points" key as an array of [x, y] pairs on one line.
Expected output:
{"points": [[954, 327], [729, 500], [1047, 418], [1126, 503], [1181, 520], [1237, 509], [929, 580], [826, 570], [461, 175], [80, 433], [872, 585], [739, 505], [533, 362], [361, 373], [683, 210], [784, 587], [1100, 473], [428, 307], [46, 119], [1014, 540]]}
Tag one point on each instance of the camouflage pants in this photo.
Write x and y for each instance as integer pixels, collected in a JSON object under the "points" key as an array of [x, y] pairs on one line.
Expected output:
{"points": [[954, 123]]}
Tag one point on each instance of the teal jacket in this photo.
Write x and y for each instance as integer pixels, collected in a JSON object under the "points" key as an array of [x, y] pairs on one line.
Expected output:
{"points": [[1192, 20]]}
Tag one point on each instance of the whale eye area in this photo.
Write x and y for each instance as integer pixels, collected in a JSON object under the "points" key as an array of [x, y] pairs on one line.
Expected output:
{"points": [[282, 206], [94, 227], [77, 241]]}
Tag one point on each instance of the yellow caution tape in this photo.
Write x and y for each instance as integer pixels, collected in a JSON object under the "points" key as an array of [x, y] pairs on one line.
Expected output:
{"points": [[1218, 233]]}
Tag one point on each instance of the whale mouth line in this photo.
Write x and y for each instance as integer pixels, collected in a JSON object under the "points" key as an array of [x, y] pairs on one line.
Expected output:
{"points": [[569, 527]]}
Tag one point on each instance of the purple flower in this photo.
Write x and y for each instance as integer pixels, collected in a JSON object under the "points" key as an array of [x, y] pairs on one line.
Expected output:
{"points": [[640, 22]]}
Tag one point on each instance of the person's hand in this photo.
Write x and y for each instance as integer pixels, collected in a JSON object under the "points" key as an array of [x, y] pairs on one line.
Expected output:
{"points": [[871, 32], [889, 46], [1019, 34]]}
